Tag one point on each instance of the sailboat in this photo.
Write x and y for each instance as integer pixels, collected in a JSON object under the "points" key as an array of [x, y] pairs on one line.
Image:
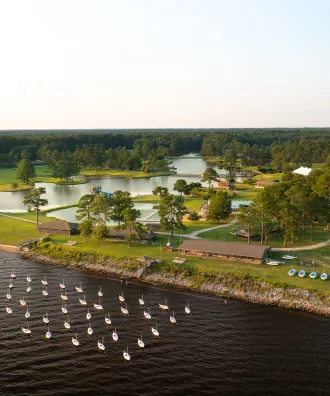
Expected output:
{"points": [[64, 310], [8, 309], [292, 272], [75, 341], [99, 293], [172, 319], [126, 355], [27, 314], [28, 279], [83, 301], [141, 301], [124, 310], [12, 275], [62, 285], [313, 275], [114, 335], [64, 296], [90, 330], [79, 289], [44, 281], [140, 342], [45, 292], [11, 285], [187, 309], [98, 306], [45, 318], [22, 302], [301, 273], [88, 315], [8, 295], [100, 345], [26, 330], [121, 297], [107, 319], [48, 334], [324, 276], [147, 314], [28, 289], [67, 324], [155, 331], [164, 306]]}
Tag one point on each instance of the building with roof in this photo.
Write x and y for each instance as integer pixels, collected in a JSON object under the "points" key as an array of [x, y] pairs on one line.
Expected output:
{"points": [[225, 250], [302, 171], [236, 204], [59, 227], [122, 234], [263, 183]]}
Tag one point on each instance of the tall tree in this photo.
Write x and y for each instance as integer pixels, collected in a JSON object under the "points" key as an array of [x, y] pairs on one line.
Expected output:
{"points": [[161, 191], [85, 207], [248, 219], [100, 231], [102, 207], [180, 186], [33, 201], [209, 175], [120, 201], [219, 207], [25, 171], [130, 223], [86, 228], [171, 211]]}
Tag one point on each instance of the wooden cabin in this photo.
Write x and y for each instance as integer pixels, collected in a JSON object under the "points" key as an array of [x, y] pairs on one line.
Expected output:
{"points": [[59, 227]]}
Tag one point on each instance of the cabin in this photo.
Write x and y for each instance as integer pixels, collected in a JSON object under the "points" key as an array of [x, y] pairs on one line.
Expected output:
{"points": [[225, 250], [59, 227], [122, 235], [263, 183], [154, 226]]}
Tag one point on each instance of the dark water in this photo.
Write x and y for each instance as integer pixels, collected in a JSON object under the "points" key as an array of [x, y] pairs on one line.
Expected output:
{"points": [[221, 349]]}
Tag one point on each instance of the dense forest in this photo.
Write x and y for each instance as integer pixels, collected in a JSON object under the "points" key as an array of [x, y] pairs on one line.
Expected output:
{"points": [[134, 149]]}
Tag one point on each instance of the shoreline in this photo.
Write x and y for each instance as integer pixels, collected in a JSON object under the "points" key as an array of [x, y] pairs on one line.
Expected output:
{"points": [[224, 285]]}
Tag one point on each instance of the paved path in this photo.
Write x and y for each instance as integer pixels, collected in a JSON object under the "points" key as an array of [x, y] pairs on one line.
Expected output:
{"points": [[18, 218], [311, 247]]}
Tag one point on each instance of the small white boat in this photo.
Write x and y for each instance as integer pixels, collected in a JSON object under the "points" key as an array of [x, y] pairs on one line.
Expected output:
{"points": [[90, 330], [12, 275], [48, 334], [45, 318], [98, 306], [27, 314], [99, 293], [172, 319], [114, 335], [121, 297], [100, 345], [147, 314], [301, 273], [124, 310], [155, 331], [62, 285], [67, 324], [126, 355], [313, 275], [107, 319], [64, 296], [164, 306], [141, 301], [79, 289], [45, 292], [187, 309], [11, 285], [28, 278], [8, 295], [83, 301], [26, 330], [140, 342], [22, 302], [8, 309], [88, 315], [28, 289], [64, 310], [75, 341], [44, 281], [273, 262], [292, 272], [324, 276]]}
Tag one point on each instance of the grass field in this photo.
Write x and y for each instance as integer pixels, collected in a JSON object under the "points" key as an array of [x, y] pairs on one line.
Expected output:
{"points": [[120, 173], [15, 232]]}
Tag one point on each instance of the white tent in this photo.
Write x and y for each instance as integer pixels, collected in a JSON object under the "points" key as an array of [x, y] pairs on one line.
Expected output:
{"points": [[303, 171]]}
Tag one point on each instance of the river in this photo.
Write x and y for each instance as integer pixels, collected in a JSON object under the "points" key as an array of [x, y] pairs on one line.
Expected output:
{"points": [[221, 349], [58, 195]]}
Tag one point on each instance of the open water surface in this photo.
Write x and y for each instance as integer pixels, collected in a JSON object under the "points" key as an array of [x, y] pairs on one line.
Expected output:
{"points": [[221, 349]]}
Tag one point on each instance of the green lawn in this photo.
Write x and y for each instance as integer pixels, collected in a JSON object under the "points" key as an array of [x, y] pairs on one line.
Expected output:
{"points": [[120, 173], [15, 232], [269, 176], [245, 191]]}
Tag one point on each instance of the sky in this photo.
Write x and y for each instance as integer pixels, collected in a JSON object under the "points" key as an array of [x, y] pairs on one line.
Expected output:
{"points": [[67, 64]]}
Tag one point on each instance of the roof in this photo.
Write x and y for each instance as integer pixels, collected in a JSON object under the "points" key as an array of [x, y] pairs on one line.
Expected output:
{"points": [[303, 171], [236, 204], [264, 182], [58, 225], [112, 232], [225, 248]]}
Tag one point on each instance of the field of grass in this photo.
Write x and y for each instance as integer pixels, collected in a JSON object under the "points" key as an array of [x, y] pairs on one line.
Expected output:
{"points": [[120, 173], [245, 191], [15, 232], [269, 176]]}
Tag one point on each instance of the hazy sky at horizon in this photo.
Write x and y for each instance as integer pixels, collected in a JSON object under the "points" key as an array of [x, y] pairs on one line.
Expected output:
{"points": [[164, 63]]}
